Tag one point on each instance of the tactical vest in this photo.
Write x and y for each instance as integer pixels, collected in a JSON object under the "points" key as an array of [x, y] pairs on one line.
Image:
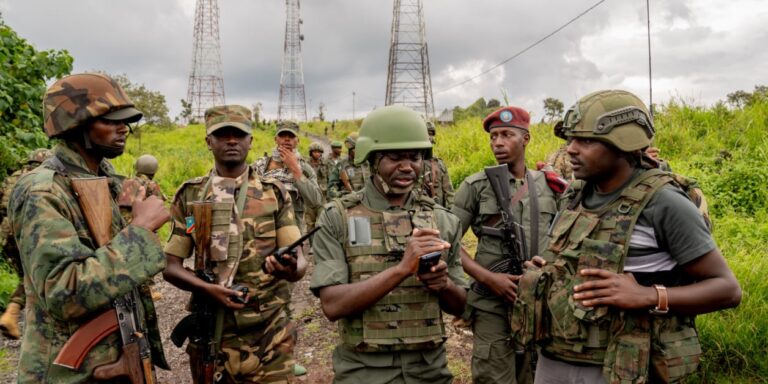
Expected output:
{"points": [[408, 317], [626, 343], [357, 176]]}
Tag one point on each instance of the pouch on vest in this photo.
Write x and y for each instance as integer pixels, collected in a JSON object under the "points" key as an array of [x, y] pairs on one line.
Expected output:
{"points": [[359, 230], [627, 358], [527, 317], [220, 230], [397, 228], [676, 351]]}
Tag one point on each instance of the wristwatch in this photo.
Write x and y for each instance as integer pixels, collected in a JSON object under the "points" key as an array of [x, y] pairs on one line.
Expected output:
{"points": [[662, 306]]}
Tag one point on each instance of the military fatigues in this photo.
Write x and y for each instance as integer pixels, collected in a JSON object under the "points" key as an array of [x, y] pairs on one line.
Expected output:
{"points": [[257, 341], [69, 279], [493, 356], [645, 227], [305, 193], [130, 190], [356, 174], [437, 182], [561, 163], [384, 344], [322, 169]]}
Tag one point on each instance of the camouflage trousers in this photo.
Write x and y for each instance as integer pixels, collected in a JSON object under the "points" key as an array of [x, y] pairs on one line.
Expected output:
{"points": [[262, 354], [413, 367], [19, 295], [494, 359]]}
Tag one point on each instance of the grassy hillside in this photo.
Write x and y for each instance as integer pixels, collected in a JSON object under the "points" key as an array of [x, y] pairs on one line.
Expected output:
{"points": [[726, 150]]}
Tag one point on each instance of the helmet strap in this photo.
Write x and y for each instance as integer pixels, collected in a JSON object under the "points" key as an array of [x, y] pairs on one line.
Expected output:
{"points": [[385, 187]]}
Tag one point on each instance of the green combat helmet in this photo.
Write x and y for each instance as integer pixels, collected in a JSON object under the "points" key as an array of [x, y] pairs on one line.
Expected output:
{"points": [[615, 117], [316, 147], [392, 128], [146, 165], [336, 144], [351, 141], [75, 99]]}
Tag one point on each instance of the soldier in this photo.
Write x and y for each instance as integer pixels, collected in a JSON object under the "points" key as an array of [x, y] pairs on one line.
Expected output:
{"points": [[287, 165], [437, 182], [9, 322], [347, 176], [335, 156], [256, 343], [322, 168], [145, 168], [533, 206], [367, 257], [631, 261], [70, 277]]}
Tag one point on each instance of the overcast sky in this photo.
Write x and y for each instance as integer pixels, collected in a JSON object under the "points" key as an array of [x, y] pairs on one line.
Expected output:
{"points": [[702, 49]]}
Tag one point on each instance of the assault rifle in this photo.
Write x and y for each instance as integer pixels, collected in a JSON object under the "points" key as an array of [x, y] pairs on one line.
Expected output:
{"points": [[135, 362], [511, 234], [203, 326], [278, 252]]}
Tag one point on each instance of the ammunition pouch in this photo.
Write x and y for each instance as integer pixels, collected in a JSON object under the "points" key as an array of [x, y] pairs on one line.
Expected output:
{"points": [[527, 316]]}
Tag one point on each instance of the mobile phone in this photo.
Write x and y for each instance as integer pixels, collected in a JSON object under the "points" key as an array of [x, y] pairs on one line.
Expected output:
{"points": [[426, 262]]}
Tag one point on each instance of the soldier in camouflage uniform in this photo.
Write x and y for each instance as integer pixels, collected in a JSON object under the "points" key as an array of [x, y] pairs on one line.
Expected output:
{"points": [[495, 359], [9, 321], [631, 261], [69, 279], [287, 165], [335, 155], [436, 181], [367, 253], [322, 169], [347, 176], [257, 338]]}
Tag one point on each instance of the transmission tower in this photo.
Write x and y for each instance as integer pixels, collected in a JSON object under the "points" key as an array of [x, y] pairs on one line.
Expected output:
{"points": [[206, 83], [408, 80], [293, 102]]}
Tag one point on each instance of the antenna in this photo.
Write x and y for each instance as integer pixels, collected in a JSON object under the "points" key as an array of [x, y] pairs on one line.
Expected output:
{"points": [[293, 102], [206, 83], [408, 79], [650, 77]]}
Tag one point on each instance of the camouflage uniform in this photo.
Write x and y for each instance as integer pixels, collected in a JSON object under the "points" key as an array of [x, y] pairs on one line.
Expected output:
{"points": [[322, 170], [70, 278], [437, 182], [257, 342], [131, 189], [357, 174], [561, 163]]}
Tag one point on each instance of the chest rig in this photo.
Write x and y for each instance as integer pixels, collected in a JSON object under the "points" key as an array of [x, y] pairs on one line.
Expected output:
{"points": [[408, 317], [623, 342], [357, 175]]}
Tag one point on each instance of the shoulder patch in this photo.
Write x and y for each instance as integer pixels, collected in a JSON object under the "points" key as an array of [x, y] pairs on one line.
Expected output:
{"points": [[475, 177]]}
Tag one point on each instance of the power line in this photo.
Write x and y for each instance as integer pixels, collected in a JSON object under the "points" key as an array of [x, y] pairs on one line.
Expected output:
{"points": [[526, 49]]}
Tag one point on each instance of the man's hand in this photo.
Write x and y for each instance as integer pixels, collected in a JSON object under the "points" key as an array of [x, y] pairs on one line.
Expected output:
{"points": [[223, 295], [291, 162], [436, 280], [280, 271], [503, 285], [149, 213], [612, 289], [421, 242], [535, 262]]}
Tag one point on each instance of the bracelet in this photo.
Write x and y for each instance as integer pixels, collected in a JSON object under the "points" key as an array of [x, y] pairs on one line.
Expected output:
{"points": [[662, 306]]}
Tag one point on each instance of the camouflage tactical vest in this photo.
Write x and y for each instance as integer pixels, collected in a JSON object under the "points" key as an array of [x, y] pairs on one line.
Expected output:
{"points": [[356, 174], [408, 317], [626, 343]]}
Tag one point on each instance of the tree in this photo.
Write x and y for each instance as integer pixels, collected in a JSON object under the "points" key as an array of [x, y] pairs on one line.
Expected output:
{"points": [[739, 99], [493, 103], [186, 112], [553, 108], [150, 103], [24, 72]]}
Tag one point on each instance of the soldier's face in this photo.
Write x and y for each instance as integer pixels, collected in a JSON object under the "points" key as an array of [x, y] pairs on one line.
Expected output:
{"points": [[336, 151], [400, 169], [592, 160], [109, 134], [508, 144], [287, 140], [229, 146], [316, 155]]}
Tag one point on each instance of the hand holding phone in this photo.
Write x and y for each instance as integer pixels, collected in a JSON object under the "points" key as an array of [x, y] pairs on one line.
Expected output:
{"points": [[426, 262]]}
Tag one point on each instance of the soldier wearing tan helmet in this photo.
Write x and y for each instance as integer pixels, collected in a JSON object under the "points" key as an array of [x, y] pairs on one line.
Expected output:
{"points": [[80, 255], [630, 264], [9, 322]]}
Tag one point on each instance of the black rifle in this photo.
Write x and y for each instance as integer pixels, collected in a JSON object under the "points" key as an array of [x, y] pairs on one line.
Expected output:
{"points": [[278, 252], [512, 234]]}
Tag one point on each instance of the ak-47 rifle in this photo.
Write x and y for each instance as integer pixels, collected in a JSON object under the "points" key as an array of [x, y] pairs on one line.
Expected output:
{"points": [[202, 327], [135, 362], [511, 234]]}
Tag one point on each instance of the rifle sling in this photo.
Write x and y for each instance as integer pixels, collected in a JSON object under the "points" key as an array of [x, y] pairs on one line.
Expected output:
{"points": [[493, 220]]}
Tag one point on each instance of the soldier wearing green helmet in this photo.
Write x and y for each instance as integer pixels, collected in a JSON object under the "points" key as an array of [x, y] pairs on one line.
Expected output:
{"points": [[630, 263], [335, 155], [348, 176], [367, 256], [9, 321], [322, 168], [76, 271]]}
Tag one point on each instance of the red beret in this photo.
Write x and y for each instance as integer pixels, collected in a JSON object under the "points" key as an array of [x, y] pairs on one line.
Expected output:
{"points": [[514, 117]]}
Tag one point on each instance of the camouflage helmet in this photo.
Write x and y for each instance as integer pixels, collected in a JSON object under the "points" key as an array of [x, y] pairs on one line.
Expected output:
{"points": [[76, 99], [351, 141], [613, 116], [315, 146], [39, 155], [336, 144], [431, 128], [392, 128], [146, 165]]}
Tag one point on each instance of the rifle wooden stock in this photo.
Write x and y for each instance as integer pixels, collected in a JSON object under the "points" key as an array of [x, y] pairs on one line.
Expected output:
{"points": [[202, 211], [96, 203], [128, 365], [88, 335], [345, 180]]}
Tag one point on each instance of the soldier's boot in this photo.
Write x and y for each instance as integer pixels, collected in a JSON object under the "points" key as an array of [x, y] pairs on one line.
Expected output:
{"points": [[299, 370], [9, 322]]}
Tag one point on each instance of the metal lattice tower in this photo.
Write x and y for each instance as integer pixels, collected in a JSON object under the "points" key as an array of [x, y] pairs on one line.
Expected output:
{"points": [[293, 102], [408, 80], [206, 83]]}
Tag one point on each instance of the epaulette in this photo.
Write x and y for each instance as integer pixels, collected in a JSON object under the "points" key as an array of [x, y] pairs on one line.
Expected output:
{"points": [[40, 180], [475, 177], [194, 181], [556, 183]]}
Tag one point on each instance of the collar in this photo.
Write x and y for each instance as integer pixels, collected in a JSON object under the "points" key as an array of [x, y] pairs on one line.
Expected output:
{"points": [[376, 201], [76, 164]]}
